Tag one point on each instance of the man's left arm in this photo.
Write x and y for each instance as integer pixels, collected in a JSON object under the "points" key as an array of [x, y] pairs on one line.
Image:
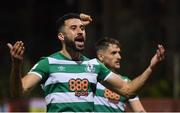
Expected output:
{"points": [[130, 89]]}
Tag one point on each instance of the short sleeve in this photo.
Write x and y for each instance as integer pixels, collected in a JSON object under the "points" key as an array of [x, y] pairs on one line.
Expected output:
{"points": [[133, 99], [41, 69], [104, 72]]}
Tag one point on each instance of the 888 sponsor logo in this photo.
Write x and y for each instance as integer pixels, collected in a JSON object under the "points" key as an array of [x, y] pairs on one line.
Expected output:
{"points": [[111, 96], [79, 86]]}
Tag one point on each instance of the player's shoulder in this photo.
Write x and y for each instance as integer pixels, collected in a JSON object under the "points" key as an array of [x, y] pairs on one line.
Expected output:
{"points": [[55, 55], [48, 57], [95, 61], [58, 56]]}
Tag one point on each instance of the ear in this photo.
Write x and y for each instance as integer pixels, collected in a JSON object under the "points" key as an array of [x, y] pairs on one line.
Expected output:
{"points": [[61, 36], [100, 56]]}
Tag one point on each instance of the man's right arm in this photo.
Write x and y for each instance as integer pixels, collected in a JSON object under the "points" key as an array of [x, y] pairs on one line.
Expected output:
{"points": [[20, 85]]}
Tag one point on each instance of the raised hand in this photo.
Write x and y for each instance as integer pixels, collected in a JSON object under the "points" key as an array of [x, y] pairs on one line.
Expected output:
{"points": [[86, 19], [17, 51], [159, 56]]}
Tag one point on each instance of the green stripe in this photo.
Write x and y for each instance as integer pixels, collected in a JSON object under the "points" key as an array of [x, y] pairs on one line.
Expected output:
{"points": [[100, 92], [101, 108], [70, 107], [103, 73], [123, 99], [71, 68], [64, 87]]}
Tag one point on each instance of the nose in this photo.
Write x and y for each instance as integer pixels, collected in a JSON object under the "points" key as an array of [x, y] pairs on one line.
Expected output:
{"points": [[119, 56], [79, 31]]}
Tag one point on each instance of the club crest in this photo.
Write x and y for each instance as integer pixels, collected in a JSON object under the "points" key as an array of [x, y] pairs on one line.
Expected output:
{"points": [[90, 68]]}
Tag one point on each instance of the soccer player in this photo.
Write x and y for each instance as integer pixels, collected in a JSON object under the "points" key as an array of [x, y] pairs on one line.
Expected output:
{"points": [[68, 77], [108, 52]]}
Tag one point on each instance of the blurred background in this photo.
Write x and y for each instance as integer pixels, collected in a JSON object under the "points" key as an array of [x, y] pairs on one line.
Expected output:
{"points": [[138, 24]]}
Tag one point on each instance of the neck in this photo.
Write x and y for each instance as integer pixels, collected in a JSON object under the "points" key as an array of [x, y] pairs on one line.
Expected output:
{"points": [[73, 55], [114, 70]]}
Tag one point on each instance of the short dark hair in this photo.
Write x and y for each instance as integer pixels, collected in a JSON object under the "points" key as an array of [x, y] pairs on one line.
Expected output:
{"points": [[61, 20], [103, 43]]}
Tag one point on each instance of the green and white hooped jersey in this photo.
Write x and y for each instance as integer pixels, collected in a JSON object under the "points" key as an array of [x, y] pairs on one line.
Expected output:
{"points": [[107, 101], [69, 85]]}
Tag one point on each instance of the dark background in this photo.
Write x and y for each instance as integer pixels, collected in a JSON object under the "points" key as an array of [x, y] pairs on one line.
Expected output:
{"points": [[138, 24]]}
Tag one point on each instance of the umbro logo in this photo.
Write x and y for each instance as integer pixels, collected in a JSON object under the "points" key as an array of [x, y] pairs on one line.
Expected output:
{"points": [[61, 68]]}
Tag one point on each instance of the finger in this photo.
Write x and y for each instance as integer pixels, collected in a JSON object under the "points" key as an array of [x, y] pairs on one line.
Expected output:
{"points": [[158, 52], [15, 47], [22, 51], [162, 50], [9, 46], [18, 52], [89, 18], [20, 48], [85, 17], [85, 22], [159, 45]]}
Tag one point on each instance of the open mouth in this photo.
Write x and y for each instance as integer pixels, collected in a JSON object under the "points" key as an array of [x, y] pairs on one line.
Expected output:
{"points": [[79, 40], [117, 63]]}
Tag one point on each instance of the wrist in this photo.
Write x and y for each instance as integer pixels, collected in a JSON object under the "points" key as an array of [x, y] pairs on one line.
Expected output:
{"points": [[16, 63], [150, 69]]}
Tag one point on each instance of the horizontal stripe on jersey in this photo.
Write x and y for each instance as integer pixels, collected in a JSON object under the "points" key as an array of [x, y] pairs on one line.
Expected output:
{"points": [[68, 82], [101, 101], [64, 87], [100, 108], [57, 61], [103, 104], [65, 77], [68, 98], [100, 93], [70, 107], [55, 68]]}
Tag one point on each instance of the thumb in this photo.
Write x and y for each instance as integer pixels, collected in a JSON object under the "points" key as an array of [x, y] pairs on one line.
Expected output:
{"points": [[9, 46]]}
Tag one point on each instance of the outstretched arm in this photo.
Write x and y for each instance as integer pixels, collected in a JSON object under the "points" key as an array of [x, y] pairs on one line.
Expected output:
{"points": [[115, 83], [19, 85]]}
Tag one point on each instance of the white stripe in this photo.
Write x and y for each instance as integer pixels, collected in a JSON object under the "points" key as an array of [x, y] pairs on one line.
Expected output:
{"points": [[65, 77], [108, 75], [68, 98], [100, 86], [57, 61], [134, 99], [32, 72], [104, 101]]}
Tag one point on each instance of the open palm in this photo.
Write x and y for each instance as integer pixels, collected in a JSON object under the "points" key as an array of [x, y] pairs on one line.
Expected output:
{"points": [[17, 51]]}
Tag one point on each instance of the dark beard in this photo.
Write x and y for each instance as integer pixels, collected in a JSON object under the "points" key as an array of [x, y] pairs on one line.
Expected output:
{"points": [[71, 45]]}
